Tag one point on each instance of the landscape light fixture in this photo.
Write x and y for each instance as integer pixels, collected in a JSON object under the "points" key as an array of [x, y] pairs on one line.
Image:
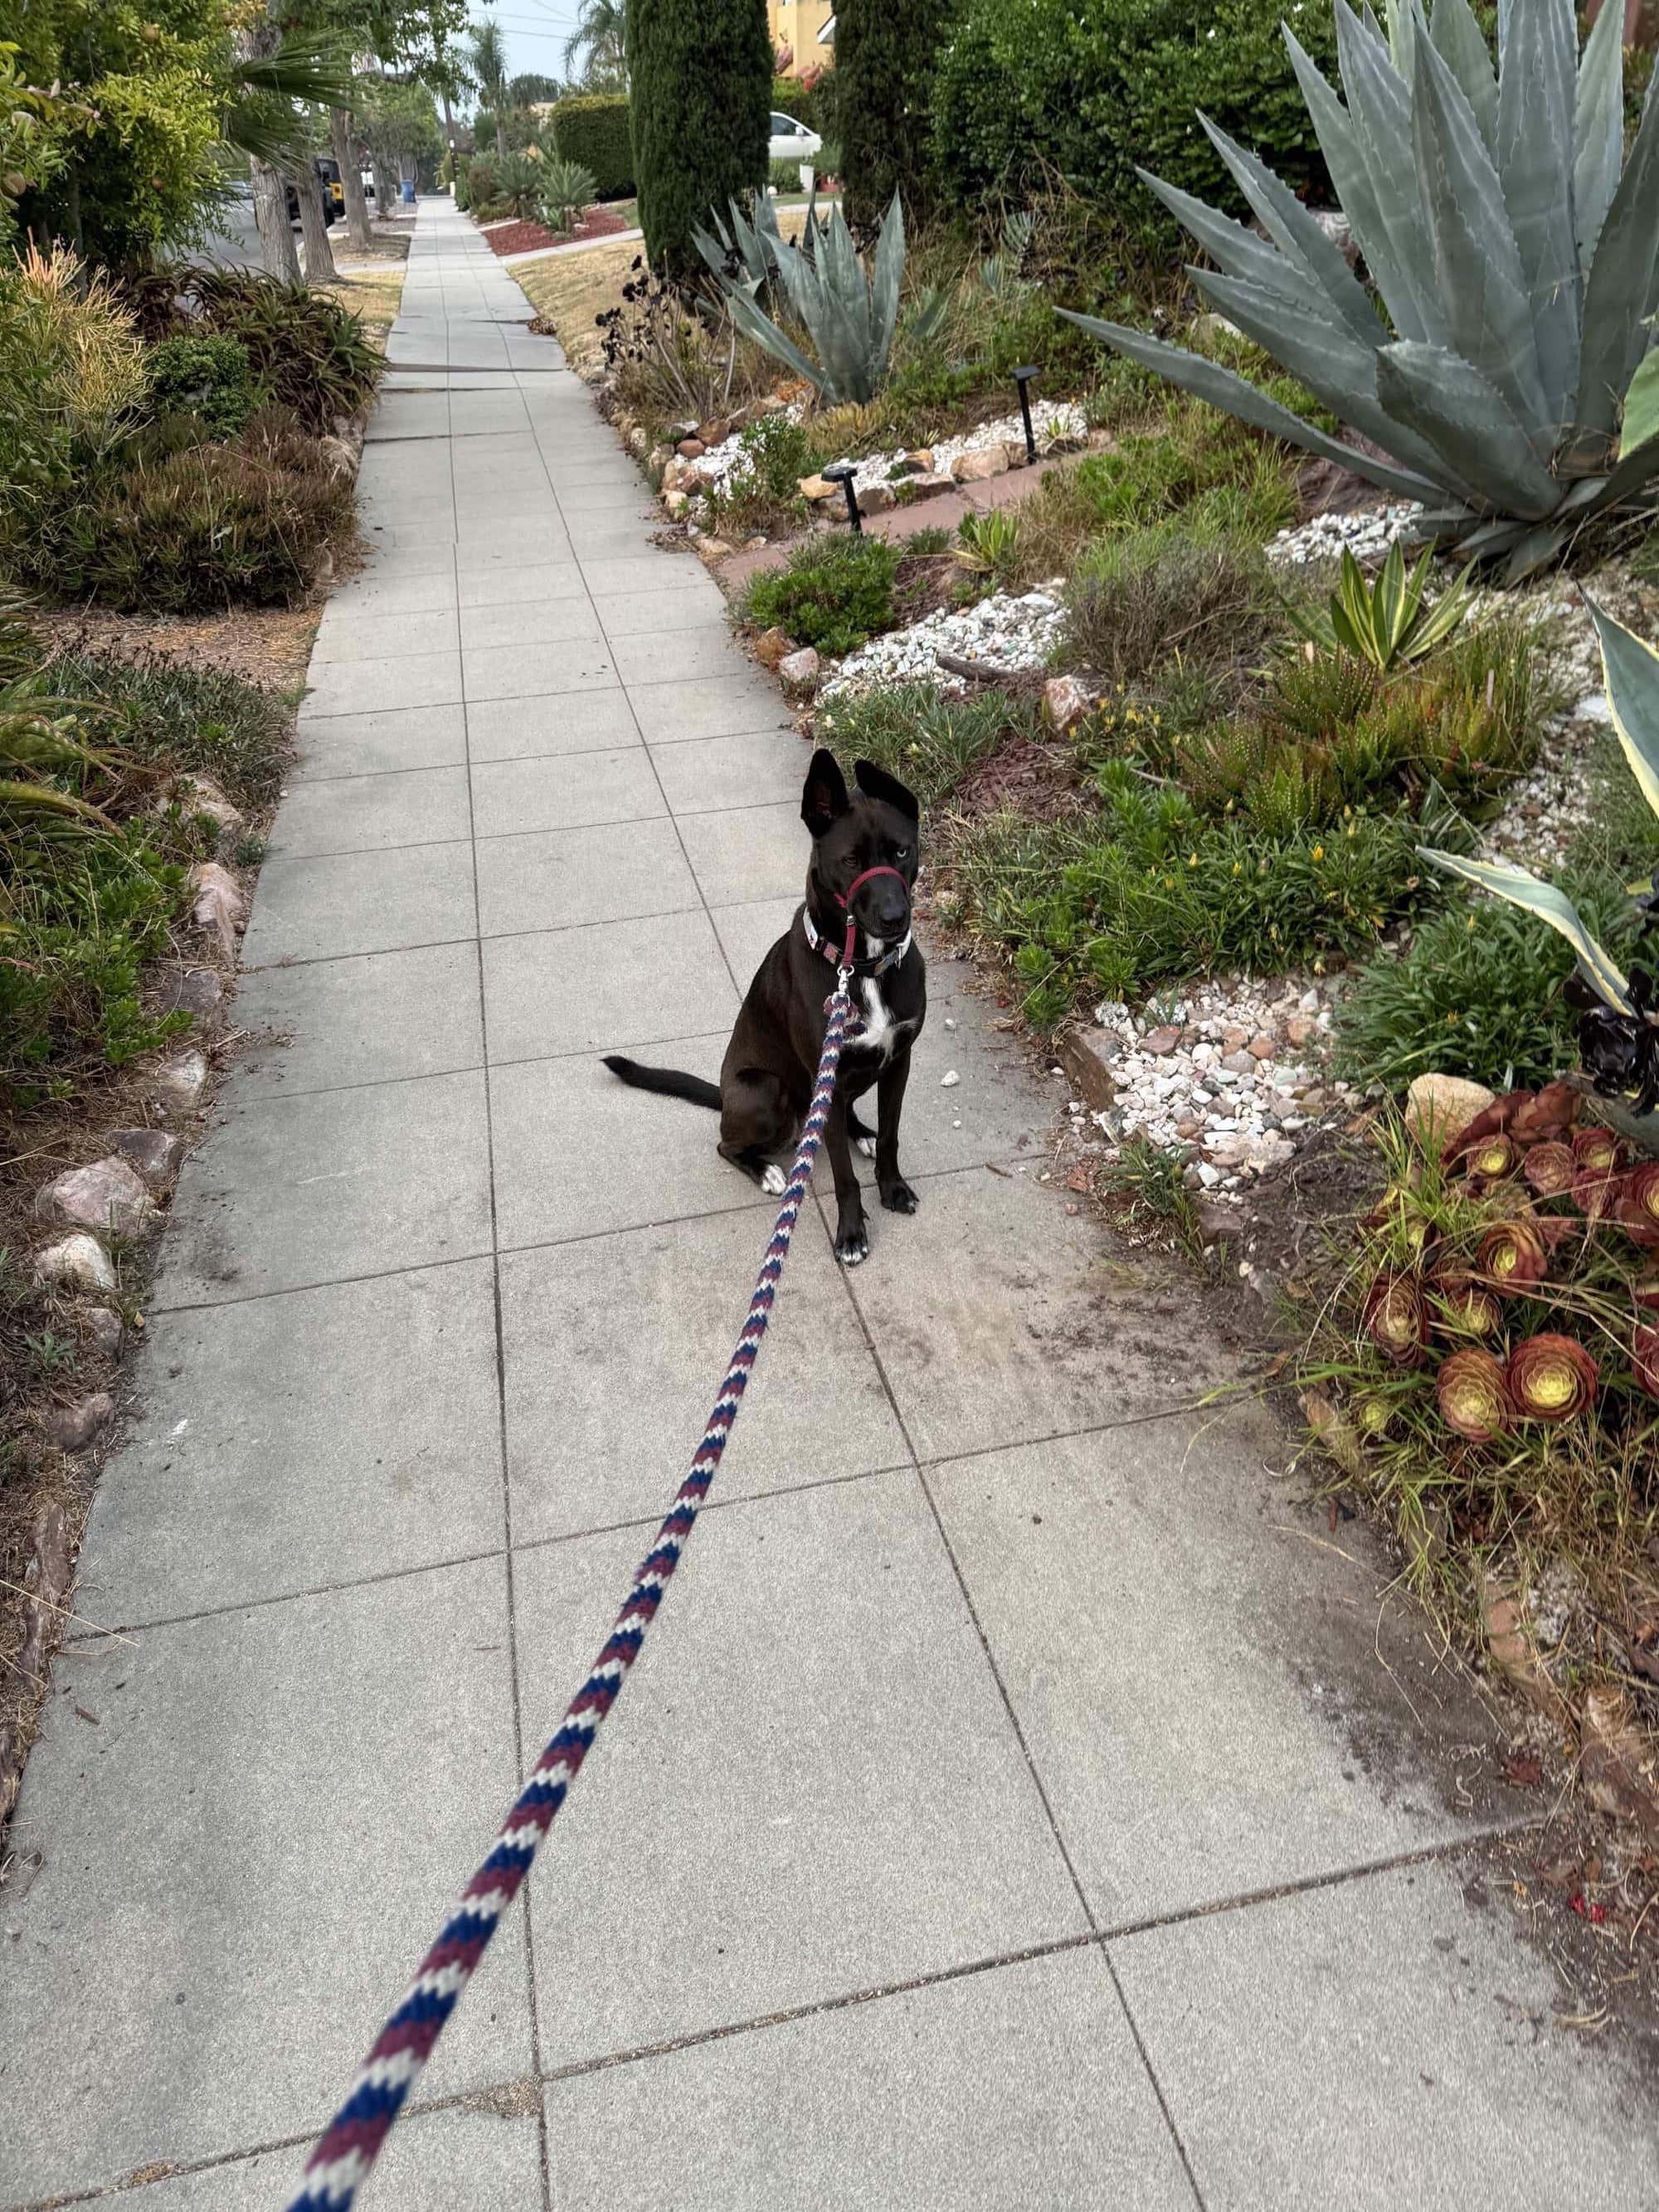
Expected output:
{"points": [[842, 472], [1022, 377]]}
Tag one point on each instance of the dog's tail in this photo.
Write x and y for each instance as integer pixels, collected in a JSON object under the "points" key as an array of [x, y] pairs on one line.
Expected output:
{"points": [[668, 1080]]}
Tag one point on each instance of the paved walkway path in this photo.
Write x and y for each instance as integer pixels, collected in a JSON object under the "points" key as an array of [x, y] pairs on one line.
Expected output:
{"points": [[1010, 1812]]}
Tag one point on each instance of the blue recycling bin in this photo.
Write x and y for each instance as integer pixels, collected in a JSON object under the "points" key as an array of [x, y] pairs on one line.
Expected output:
{"points": [[408, 191]]}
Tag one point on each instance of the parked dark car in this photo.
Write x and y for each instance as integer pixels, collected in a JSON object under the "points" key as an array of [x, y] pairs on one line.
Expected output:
{"points": [[328, 176]]}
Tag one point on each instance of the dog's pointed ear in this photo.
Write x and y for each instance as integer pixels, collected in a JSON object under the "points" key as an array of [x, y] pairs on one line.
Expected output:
{"points": [[824, 800], [875, 783]]}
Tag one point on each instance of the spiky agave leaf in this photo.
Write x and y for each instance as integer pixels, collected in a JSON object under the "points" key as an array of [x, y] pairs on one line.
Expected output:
{"points": [[1515, 250]]}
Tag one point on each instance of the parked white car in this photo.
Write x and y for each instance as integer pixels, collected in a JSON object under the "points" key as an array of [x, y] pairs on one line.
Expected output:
{"points": [[792, 141]]}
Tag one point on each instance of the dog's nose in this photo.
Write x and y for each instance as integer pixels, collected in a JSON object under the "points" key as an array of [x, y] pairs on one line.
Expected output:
{"points": [[892, 912]]}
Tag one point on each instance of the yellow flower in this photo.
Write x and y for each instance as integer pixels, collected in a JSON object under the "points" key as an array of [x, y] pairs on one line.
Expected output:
{"points": [[1239, 868], [1471, 925], [1192, 859], [1319, 852]]}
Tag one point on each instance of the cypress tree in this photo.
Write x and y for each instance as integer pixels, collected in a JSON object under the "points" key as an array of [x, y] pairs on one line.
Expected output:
{"points": [[700, 92], [885, 55]]}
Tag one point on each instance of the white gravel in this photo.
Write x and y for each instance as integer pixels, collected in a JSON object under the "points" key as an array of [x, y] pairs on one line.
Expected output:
{"points": [[1049, 419], [1008, 633], [1367, 535]]}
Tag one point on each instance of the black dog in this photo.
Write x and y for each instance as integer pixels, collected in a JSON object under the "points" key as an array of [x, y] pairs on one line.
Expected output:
{"points": [[862, 869]]}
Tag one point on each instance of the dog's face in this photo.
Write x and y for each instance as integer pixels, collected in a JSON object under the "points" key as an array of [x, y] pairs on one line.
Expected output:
{"points": [[874, 827]]}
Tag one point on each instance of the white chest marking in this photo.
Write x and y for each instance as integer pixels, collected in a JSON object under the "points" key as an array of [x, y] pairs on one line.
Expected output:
{"points": [[881, 1032]]}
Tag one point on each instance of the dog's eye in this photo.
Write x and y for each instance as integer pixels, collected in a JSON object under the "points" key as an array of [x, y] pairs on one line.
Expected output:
{"points": [[901, 851]]}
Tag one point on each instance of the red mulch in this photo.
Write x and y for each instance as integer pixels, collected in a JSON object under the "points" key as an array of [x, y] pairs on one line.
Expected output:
{"points": [[529, 237]]}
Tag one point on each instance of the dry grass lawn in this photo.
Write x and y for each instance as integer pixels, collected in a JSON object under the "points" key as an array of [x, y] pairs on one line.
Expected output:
{"points": [[569, 289], [371, 290]]}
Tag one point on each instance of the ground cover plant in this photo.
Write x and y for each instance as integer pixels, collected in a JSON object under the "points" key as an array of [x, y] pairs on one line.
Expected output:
{"points": [[834, 594]]}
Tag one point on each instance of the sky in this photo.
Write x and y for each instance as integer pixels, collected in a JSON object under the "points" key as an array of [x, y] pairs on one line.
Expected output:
{"points": [[535, 32]]}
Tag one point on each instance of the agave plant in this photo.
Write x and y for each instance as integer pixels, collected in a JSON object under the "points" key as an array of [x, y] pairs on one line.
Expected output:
{"points": [[1619, 1037], [848, 317], [567, 190], [745, 250], [1385, 622], [1517, 255]]}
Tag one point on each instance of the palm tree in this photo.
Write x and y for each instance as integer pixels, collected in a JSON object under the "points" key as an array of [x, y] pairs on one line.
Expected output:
{"points": [[599, 34], [489, 60]]}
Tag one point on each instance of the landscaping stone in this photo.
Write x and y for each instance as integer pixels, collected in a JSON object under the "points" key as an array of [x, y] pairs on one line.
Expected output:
{"points": [[976, 467], [105, 1329], [156, 1153], [714, 432], [219, 904], [690, 449], [198, 992], [1088, 1057], [1441, 1107], [78, 1262], [876, 498], [799, 673], [178, 1083], [819, 487], [1159, 1043], [1066, 702], [771, 647], [72, 1428], [201, 795], [107, 1196]]}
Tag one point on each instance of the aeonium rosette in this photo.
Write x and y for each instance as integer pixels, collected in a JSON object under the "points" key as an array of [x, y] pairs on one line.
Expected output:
{"points": [[1638, 1205], [1550, 1378], [1472, 1396], [1397, 1318], [1514, 1257]]}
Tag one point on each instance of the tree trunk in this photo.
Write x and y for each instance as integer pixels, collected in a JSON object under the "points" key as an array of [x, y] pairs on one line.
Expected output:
{"points": [[501, 137], [385, 192], [356, 206], [276, 255], [319, 255]]}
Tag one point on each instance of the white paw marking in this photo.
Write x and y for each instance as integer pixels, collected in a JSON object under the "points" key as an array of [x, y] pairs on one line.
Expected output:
{"points": [[866, 1145], [853, 1257], [774, 1181]]}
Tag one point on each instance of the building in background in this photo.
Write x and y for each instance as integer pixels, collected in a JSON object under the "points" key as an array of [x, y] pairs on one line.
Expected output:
{"points": [[803, 36]]}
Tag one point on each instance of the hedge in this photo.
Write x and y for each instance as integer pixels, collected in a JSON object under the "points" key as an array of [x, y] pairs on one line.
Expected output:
{"points": [[592, 128], [1092, 87]]}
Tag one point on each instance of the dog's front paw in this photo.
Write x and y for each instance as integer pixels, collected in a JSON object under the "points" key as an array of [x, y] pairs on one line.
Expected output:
{"points": [[852, 1244], [898, 1197], [774, 1181], [866, 1145]]}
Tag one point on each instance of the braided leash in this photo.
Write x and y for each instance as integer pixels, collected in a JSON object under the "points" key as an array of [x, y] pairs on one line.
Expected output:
{"points": [[351, 2142]]}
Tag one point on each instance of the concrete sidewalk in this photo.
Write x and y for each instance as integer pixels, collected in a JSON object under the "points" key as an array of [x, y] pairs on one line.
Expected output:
{"points": [[1013, 1811]]}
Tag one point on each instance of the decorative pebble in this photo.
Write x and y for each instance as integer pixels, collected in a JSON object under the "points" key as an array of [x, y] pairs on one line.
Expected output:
{"points": [[1006, 633], [949, 1080]]}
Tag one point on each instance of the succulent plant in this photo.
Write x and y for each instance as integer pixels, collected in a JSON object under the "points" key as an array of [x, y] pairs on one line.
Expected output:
{"points": [[1515, 250], [1639, 1206], [1550, 1169], [1512, 1258], [1397, 1318], [1645, 1359], [1550, 1377], [1472, 1396], [743, 249], [1386, 623], [1463, 1309], [849, 318]]}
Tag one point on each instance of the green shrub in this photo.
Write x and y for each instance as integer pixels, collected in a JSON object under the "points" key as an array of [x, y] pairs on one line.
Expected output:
{"points": [[1087, 89], [834, 593], [700, 79], [929, 742], [80, 929], [71, 374], [884, 61], [1140, 596], [177, 530], [784, 176], [307, 353], [201, 719], [806, 102], [209, 377], [592, 128], [483, 183], [1148, 891], [1476, 992]]}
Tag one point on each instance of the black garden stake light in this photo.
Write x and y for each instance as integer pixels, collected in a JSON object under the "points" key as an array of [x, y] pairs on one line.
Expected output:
{"points": [[842, 472], [1022, 377]]}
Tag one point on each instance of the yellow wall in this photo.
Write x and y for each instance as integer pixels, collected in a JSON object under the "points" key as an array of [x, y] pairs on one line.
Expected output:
{"points": [[796, 23]]}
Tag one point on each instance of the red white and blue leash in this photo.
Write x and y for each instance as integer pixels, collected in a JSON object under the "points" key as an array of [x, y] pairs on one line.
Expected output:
{"points": [[351, 2142]]}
